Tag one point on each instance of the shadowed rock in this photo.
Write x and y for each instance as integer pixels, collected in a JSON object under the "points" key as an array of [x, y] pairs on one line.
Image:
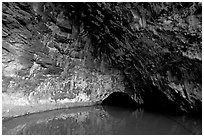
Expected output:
{"points": [[56, 53]]}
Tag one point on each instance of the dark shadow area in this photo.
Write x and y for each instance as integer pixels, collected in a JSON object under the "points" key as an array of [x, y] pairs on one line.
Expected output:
{"points": [[120, 112], [120, 99], [158, 101]]}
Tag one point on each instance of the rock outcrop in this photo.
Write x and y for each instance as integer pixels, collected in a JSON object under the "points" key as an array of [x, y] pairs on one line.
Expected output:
{"points": [[55, 55], [37, 71]]}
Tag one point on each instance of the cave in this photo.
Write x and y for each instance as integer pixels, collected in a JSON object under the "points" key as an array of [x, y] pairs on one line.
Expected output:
{"points": [[62, 55], [119, 99], [54, 54]]}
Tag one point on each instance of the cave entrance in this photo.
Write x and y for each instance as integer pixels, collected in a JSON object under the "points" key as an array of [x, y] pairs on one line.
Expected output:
{"points": [[119, 99]]}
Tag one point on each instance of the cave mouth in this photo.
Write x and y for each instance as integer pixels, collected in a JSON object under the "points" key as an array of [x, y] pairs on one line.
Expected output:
{"points": [[119, 99]]}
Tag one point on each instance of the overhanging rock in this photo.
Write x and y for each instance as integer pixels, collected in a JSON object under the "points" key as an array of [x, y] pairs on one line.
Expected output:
{"points": [[54, 61], [78, 87]]}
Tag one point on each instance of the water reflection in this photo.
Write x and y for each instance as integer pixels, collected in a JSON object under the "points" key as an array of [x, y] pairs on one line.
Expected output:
{"points": [[102, 120]]}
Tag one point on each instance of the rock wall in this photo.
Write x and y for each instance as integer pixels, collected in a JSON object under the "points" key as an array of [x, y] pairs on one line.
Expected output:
{"points": [[36, 70], [54, 53], [80, 87]]}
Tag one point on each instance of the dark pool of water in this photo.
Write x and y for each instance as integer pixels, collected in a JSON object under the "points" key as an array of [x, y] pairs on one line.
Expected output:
{"points": [[102, 120]]}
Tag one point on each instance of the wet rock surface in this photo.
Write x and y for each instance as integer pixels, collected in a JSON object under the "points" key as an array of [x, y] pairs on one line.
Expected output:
{"points": [[54, 56]]}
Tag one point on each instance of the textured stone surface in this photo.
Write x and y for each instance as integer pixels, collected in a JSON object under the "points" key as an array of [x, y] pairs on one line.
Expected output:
{"points": [[49, 58], [51, 86], [37, 70]]}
